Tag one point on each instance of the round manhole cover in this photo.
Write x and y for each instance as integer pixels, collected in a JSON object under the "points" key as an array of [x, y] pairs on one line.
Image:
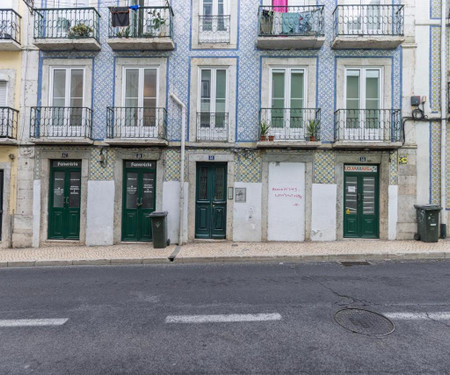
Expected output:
{"points": [[364, 322]]}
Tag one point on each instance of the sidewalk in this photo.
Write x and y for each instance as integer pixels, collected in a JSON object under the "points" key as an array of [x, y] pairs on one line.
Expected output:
{"points": [[144, 253]]}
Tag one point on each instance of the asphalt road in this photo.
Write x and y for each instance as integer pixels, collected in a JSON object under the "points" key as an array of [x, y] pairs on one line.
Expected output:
{"points": [[151, 319]]}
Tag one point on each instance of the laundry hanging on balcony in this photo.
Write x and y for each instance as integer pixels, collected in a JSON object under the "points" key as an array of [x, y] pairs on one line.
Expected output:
{"points": [[120, 16]]}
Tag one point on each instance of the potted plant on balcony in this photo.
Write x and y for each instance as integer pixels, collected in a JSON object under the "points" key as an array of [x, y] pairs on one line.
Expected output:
{"points": [[263, 131], [158, 22], [80, 31], [123, 33], [311, 129]]}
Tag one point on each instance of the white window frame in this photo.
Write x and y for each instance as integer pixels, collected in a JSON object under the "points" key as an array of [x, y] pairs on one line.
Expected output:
{"points": [[215, 12], [362, 85], [68, 86], [141, 70], [286, 132], [6, 92]]}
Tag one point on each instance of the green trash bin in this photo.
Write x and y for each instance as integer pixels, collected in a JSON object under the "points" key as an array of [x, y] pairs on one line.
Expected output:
{"points": [[427, 222], [159, 229]]}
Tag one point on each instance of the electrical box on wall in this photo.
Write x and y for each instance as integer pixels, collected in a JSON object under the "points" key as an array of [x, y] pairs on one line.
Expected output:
{"points": [[415, 101]]}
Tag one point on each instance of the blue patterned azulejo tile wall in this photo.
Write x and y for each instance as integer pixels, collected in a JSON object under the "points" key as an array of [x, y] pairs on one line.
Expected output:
{"points": [[249, 66]]}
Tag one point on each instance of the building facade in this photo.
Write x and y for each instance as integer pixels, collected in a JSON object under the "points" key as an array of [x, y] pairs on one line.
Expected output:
{"points": [[294, 116]]}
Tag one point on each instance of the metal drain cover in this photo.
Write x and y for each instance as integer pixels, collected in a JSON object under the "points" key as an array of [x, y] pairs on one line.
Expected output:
{"points": [[364, 322]]}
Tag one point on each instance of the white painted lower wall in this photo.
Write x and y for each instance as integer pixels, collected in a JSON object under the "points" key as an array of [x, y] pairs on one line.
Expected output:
{"points": [[36, 212], [323, 213], [392, 212], [423, 161], [171, 204], [100, 213], [247, 216]]}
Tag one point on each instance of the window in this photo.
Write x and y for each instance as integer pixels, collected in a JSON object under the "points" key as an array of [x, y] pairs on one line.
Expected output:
{"points": [[66, 96], [140, 96], [213, 98], [288, 98], [363, 98], [214, 22], [3, 93]]}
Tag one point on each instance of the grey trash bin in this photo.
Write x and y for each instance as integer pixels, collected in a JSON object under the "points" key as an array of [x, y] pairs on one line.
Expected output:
{"points": [[159, 229], [427, 222]]}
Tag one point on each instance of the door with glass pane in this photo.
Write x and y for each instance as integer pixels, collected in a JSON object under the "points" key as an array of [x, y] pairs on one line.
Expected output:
{"points": [[64, 200], [139, 116], [66, 101], [211, 201], [361, 201], [138, 200], [361, 17], [287, 109], [213, 116], [363, 98]]}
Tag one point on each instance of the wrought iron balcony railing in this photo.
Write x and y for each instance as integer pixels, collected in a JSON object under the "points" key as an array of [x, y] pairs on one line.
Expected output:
{"points": [[61, 122], [291, 20], [67, 23], [145, 22], [214, 29], [212, 127], [136, 122], [291, 124], [10, 25], [368, 125], [360, 20], [8, 122]]}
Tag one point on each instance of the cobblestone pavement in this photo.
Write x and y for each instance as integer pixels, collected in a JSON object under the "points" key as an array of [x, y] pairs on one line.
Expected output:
{"points": [[63, 254]]}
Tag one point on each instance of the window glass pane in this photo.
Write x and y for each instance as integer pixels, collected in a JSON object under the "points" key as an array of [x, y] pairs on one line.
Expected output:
{"points": [[221, 90], [297, 83], [372, 88], [220, 8], [148, 181], [131, 83], [219, 193], [351, 195], [131, 197], [76, 88], [205, 90], [58, 189], [277, 85], [150, 83], [352, 86], [203, 184], [59, 85], [74, 189], [3, 100], [207, 7]]}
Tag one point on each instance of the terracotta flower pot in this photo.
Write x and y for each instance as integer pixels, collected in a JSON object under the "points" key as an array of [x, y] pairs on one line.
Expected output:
{"points": [[263, 138], [271, 138]]}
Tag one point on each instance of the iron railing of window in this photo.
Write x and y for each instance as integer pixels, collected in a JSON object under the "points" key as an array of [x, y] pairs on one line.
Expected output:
{"points": [[291, 20], [145, 22], [366, 125], [136, 122], [212, 127], [63, 23], [381, 20], [10, 25], [214, 29], [8, 122], [61, 122], [291, 124]]}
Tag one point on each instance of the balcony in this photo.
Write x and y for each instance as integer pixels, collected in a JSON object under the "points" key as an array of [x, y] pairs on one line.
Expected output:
{"points": [[214, 29], [368, 128], [136, 126], [61, 125], [8, 124], [368, 26], [10, 30], [290, 27], [289, 127], [67, 29], [149, 28], [212, 127]]}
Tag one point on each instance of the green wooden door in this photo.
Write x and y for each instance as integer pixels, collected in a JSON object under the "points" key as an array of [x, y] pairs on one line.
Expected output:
{"points": [[361, 201], [64, 200], [138, 200], [211, 201]]}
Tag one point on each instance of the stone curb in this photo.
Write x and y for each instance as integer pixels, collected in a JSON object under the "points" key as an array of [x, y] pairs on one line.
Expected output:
{"points": [[231, 259]]}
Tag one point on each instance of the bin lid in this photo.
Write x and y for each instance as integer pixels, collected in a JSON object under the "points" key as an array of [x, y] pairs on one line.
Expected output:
{"points": [[428, 207], [159, 214]]}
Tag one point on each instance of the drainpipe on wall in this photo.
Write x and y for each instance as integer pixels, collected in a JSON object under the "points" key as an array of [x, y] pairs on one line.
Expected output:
{"points": [[182, 157], [444, 120]]}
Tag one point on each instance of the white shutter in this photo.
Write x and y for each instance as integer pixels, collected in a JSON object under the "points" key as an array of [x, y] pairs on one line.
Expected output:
{"points": [[3, 93]]}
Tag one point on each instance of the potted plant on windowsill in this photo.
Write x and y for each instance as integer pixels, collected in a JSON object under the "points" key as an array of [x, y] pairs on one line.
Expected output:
{"points": [[312, 129], [263, 131]]}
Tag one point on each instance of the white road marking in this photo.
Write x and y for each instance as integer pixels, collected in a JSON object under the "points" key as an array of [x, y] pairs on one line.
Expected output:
{"points": [[32, 322], [231, 318], [419, 316]]}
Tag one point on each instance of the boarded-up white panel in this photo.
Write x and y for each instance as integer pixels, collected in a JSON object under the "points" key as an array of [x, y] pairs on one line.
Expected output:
{"points": [[3, 93], [286, 205]]}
